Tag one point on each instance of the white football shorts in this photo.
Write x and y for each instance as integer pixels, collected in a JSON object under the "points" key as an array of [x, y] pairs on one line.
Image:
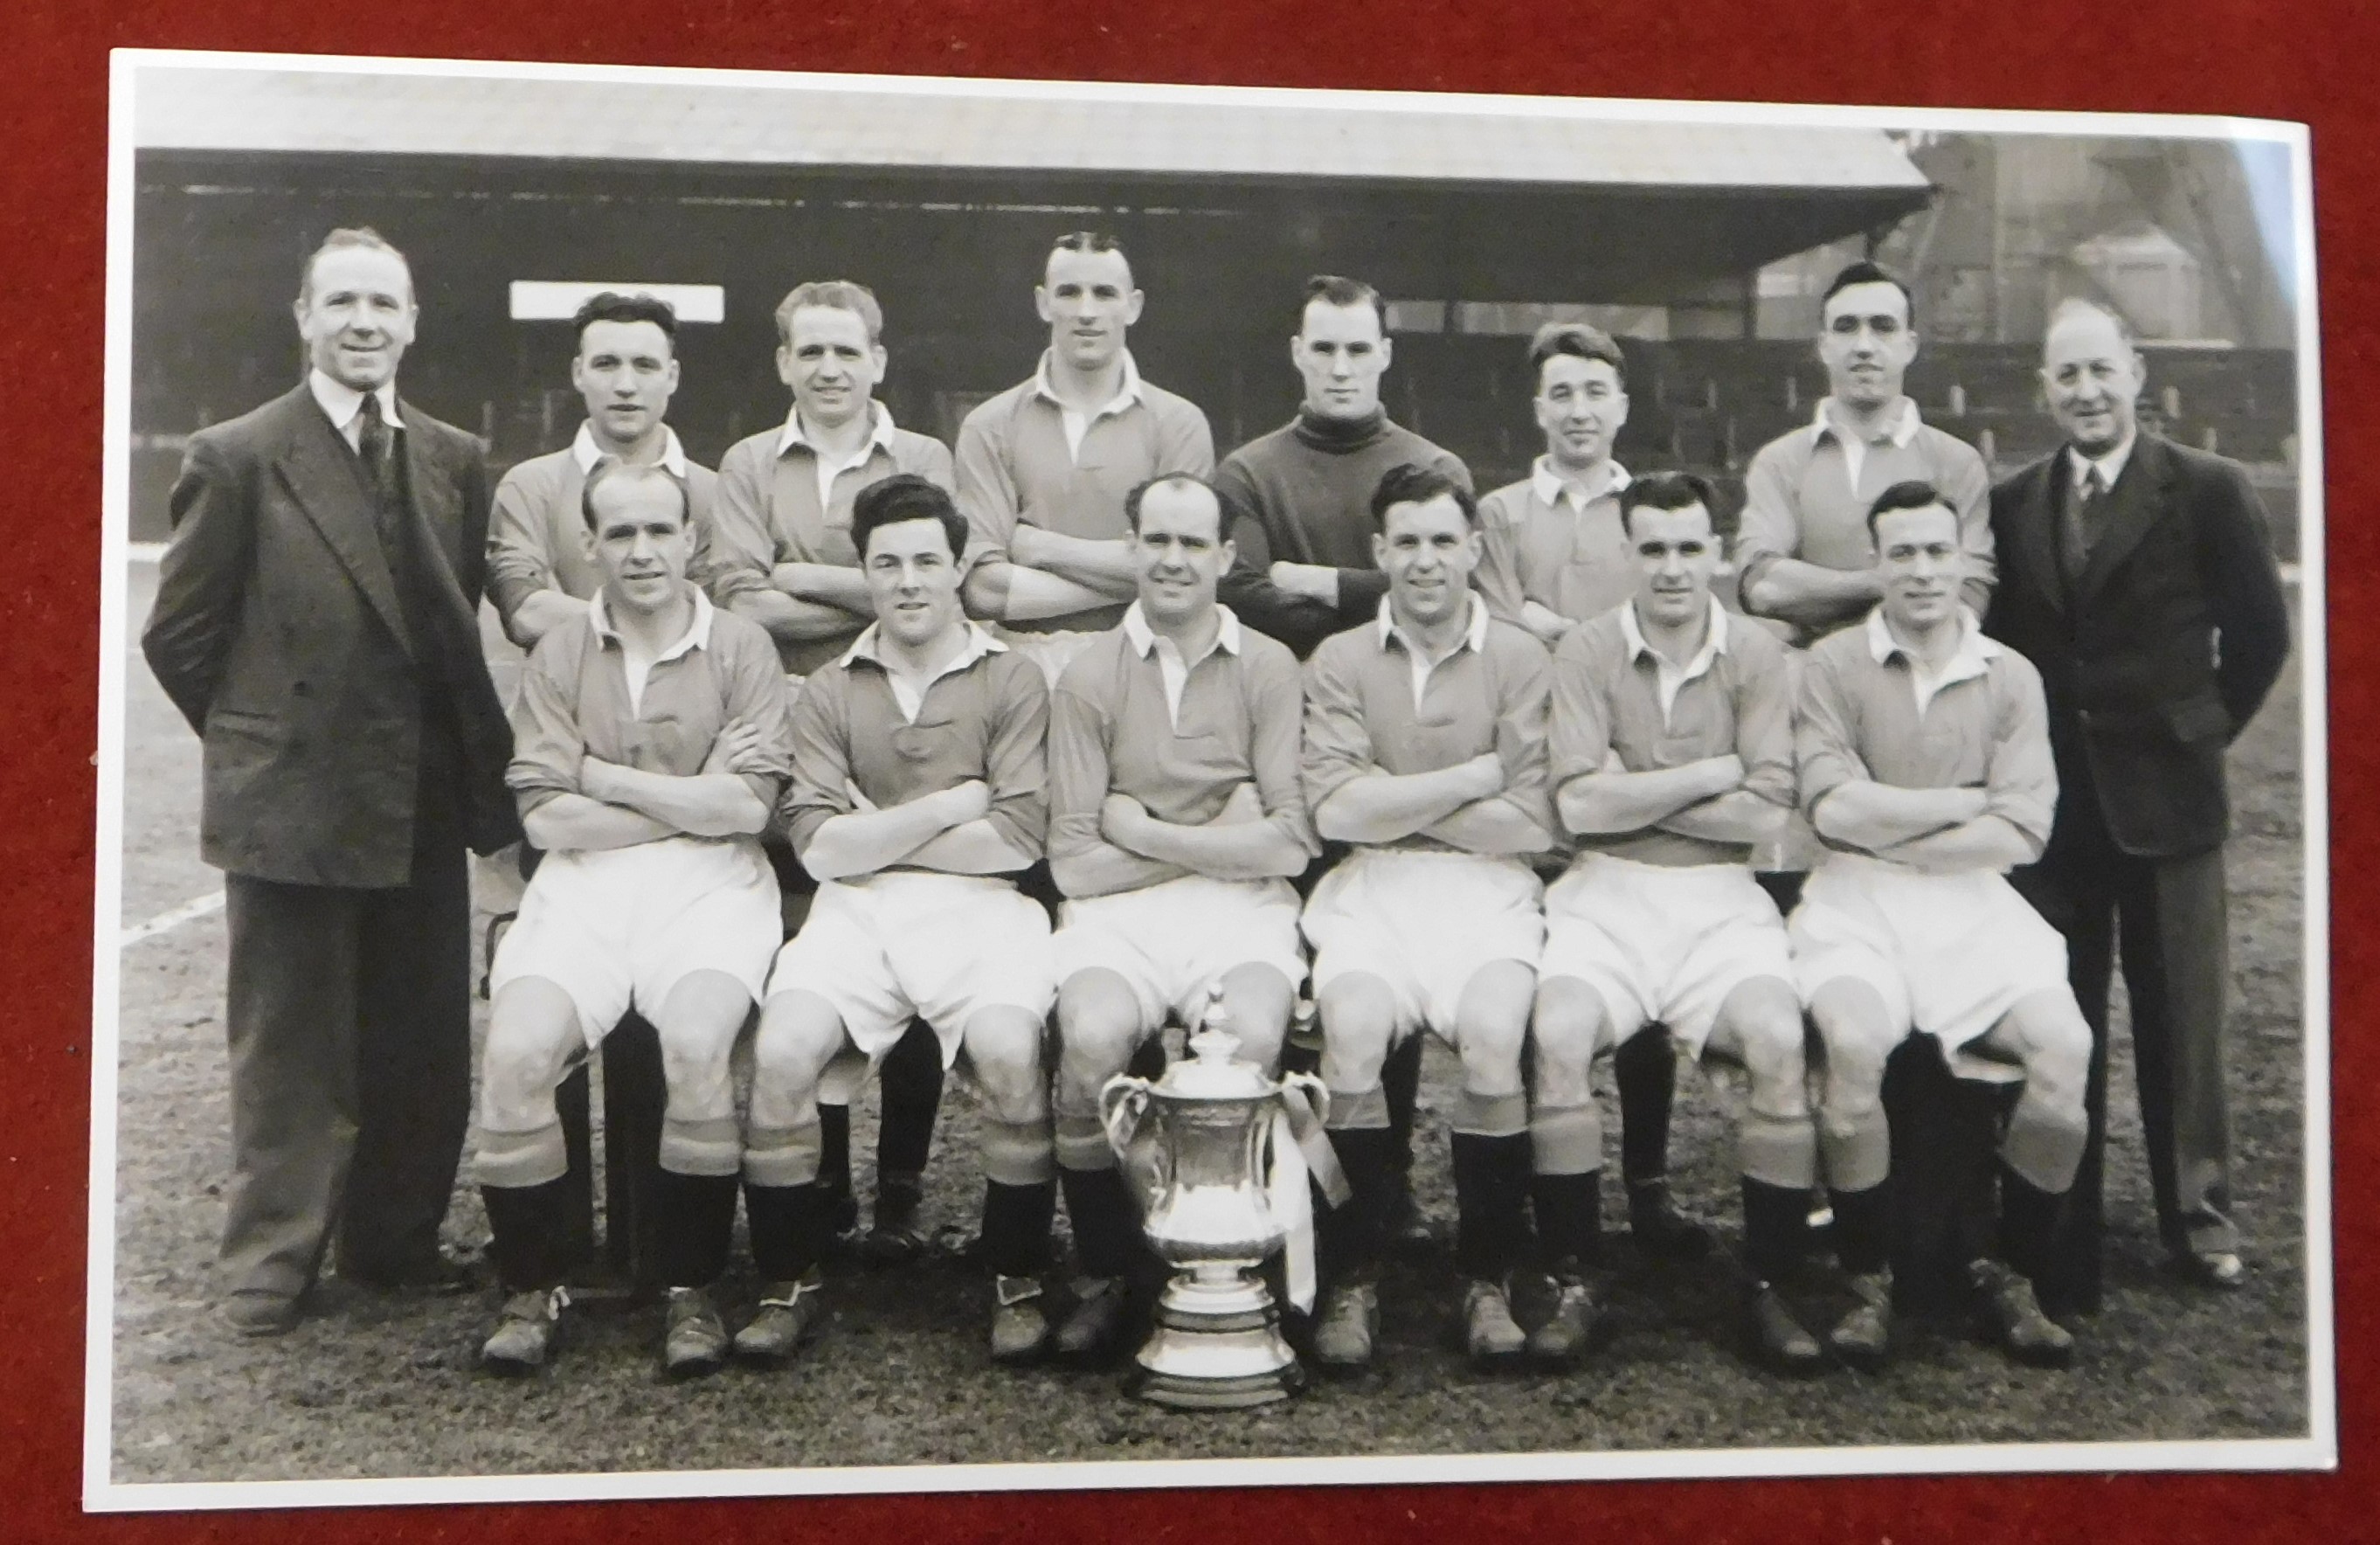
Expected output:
{"points": [[1169, 942], [1661, 944], [1424, 923]]}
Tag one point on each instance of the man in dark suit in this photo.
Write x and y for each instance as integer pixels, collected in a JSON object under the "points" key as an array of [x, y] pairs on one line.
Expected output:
{"points": [[316, 624], [2139, 575]]}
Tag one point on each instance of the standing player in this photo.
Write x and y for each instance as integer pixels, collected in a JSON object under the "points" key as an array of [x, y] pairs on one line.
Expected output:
{"points": [[916, 792], [1426, 747], [1557, 553], [1297, 504], [651, 744], [1925, 765], [1804, 551], [1672, 755], [1176, 822], [1044, 466], [539, 573], [780, 553]]}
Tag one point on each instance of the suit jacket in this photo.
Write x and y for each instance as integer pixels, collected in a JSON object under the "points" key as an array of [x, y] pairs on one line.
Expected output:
{"points": [[279, 634], [2162, 650]]}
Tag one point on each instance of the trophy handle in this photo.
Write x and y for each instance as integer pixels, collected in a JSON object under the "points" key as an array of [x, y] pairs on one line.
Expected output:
{"points": [[1315, 1095], [1121, 1105]]}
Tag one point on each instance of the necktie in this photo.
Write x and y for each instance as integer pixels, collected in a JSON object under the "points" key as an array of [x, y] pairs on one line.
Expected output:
{"points": [[376, 444], [2086, 511]]}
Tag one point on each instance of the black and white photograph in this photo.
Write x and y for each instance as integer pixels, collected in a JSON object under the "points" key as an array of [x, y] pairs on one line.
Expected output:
{"points": [[827, 783]]}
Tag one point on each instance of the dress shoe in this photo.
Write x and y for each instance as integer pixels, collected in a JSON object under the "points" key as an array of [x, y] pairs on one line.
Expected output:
{"points": [[1776, 1338], [2013, 1317], [526, 1333], [1862, 1338], [1660, 1230], [1020, 1329], [695, 1341], [1097, 1324], [2221, 1270], [1349, 1323], [898, 1236], [1564, 1338], [260, 1312], [790, 1314]]}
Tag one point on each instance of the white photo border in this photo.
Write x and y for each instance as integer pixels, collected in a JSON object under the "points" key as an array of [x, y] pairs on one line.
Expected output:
{"points": [[2317, 1449]]}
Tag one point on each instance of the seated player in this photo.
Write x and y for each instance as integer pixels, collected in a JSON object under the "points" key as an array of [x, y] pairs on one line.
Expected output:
{"points": [[650, 743], [1175, 823], [1923, 749], [1426, 749], [916, 793], [1673, 755]]}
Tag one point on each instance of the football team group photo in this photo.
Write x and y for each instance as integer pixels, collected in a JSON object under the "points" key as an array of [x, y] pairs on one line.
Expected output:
{"points": [[1713, 857]]}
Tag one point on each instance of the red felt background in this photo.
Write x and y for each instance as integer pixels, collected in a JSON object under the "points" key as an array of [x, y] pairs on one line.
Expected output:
{"points": [[2299, 59]]}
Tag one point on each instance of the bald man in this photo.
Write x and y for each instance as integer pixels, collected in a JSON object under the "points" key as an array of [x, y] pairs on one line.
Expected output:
{"points": [[2139, 577]]}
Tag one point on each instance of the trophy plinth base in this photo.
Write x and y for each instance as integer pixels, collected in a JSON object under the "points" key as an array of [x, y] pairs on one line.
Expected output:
{"points": [[1217, 1346]]}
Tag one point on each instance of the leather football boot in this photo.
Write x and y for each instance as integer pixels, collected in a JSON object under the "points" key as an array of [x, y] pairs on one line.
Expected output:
{"points": [[526, 1333], [2013, 1317], [696, 1340], [1020, 1331], [1349, 1323], [790, 1314], [1776, 1336], [1862, 1338]]}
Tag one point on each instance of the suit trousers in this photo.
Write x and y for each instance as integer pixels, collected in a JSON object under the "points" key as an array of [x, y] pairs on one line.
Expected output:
{"points": [[2165, 919], [349, 1013]]}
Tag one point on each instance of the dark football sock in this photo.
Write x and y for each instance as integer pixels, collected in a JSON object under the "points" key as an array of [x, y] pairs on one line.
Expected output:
{"points": [[834, 1150], [1349, 1234], [1108, 1240], [531, 1226], [1491, 1191], [1016, 1227], [789, 1227], [1774, 1219], [693, 1215], [1570, 1217], [1401, 1082], [1863, 1228], [1645, 1068], [912, 1086], [2030, 1221]]}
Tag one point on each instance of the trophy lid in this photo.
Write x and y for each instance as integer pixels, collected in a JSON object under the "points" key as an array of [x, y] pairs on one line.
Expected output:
{"points": [[1214, 1070]]}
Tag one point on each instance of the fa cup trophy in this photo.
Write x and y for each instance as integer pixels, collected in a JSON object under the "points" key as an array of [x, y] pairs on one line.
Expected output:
{"points": [[1201, 1179]]}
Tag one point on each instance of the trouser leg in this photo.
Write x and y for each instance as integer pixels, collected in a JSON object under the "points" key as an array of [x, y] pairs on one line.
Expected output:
{"points": [[413, 1016], [290, 1012], [2176, 973]]}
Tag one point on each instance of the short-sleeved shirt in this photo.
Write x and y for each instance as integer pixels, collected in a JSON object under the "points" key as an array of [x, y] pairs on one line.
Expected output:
{"points": [[1018, 463], [1558, 543], [986, 716], [1373, 703], [1122, 721], [770, 511], [578, 701], [1869, 711], [1803, 500], [1612, 692], [537, 526]]}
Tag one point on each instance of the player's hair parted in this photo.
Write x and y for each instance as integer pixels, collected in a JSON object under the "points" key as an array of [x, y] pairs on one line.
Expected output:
{"points": [[1867, 272], [1090, 241], [1910, 494], [1579, 342], [611, 469], [906, 496], [2077, 306], [343, 237], [1409, 484], [1170, 480], [1667, 490], [837, 294], [613, 306], [1337, 289]]}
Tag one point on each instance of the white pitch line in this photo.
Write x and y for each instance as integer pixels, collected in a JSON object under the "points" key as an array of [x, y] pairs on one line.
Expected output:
{"points": [[197, 908]]}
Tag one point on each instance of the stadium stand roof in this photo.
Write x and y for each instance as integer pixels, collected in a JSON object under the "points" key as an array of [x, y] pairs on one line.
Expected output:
{"points": [[756, 121]]}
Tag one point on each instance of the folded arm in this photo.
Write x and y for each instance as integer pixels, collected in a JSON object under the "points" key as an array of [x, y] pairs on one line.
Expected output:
{"points": [[1986, 843], [836, 585], [1616, 800], [1872, 817], [707, 804], [1737, 816], [1238, 843], [569, 823], [1807, 594], [1013, 592], [1386, 807], [864, 840]]}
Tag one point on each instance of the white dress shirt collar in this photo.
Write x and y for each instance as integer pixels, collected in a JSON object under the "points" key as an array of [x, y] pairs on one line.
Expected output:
{"points": [[341, 403]]}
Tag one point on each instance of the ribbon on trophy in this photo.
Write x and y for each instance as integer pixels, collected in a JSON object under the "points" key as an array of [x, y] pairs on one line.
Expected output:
{"points": [[1301, 1148]]}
